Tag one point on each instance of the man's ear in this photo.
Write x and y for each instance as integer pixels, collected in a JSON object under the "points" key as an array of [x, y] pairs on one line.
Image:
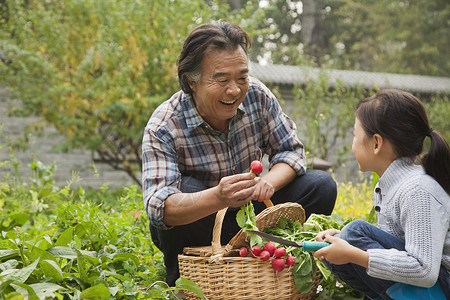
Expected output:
{"points": [[377, 143], [192, 85]]}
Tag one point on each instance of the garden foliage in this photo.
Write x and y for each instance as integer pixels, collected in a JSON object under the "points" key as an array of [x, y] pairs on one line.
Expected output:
{"points": [[72, 243], [325, 116], [65, 243]]}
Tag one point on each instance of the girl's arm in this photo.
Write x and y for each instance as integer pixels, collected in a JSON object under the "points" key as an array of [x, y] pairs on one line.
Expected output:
{"points": [[340, 252]]}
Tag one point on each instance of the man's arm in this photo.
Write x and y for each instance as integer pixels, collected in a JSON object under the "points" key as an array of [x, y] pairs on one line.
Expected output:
{"points": [[280, 175]]}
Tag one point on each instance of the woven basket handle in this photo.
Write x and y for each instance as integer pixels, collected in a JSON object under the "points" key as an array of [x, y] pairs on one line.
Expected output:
{"points": [[268, 203], [217, 229]]}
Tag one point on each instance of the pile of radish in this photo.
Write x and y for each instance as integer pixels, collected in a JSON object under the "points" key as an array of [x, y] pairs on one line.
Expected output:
{"points": [[270, 251], [245, 219], [306, 264]]}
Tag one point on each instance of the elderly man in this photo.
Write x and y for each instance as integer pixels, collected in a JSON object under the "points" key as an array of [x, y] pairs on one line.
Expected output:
{"points": [[199, 144]]}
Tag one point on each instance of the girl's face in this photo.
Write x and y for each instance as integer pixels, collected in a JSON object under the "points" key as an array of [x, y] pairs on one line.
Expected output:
{"points": [[362, 148]]}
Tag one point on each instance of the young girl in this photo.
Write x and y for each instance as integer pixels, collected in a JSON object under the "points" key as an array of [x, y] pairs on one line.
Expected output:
{"points": [[407, 256]]}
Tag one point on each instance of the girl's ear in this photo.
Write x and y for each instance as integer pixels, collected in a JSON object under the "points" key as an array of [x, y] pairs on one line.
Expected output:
{"points": [[377, 143]]}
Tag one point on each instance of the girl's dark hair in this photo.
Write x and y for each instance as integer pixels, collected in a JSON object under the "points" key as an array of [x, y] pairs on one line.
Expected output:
{"points": [[401, 118], [221, 35]]}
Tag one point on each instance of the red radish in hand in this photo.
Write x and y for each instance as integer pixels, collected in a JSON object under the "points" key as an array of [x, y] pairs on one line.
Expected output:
{"points": [[278, 265], [255, 251], [280, 252], [264, 256], [243, 252], [290, 261], [256, 167]]}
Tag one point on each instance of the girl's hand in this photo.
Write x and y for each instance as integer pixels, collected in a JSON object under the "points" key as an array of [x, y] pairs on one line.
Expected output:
{"points": [[321, 235], [341, 252]]}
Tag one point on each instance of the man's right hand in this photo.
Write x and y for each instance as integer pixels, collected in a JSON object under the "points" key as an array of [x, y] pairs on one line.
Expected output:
{"points": [[232, 191], [237, 190]]}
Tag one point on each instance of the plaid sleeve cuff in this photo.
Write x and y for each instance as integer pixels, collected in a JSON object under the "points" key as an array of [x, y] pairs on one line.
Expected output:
{"points": [[155, 207], [293, 159]]}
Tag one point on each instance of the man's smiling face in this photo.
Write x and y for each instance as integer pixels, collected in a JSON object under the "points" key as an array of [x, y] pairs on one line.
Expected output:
{"points": [[222, 87]]}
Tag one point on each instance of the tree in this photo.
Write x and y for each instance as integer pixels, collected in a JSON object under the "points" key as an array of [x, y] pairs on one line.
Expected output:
{"points": [[392, 36], [381, 36], [96, 70], [312, 35], [277, 39]]}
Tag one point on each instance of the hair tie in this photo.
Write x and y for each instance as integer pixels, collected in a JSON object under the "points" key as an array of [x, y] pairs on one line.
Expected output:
{"points": [[429, 132]]}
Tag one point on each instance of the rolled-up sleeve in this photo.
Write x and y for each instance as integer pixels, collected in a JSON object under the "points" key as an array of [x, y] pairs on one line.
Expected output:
{"points": [[284, 144], [160, 175]]}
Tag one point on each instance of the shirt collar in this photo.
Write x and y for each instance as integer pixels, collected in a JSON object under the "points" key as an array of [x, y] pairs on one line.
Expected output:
{"points": [[397, 170], [191, 115]]}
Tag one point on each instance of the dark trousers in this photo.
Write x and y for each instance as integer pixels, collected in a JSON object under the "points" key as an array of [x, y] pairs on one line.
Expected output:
{"points": [[315, 191]]}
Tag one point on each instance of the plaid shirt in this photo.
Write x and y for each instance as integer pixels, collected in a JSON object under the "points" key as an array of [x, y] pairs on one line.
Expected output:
{"points": [[178, 142]]}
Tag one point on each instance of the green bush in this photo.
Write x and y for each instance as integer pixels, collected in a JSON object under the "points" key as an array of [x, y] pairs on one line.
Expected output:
{"points": [[58, 243], [95, 70]]}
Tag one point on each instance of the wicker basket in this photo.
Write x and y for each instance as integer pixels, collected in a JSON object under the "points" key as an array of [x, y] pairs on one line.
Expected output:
{"points": [[221, 275]]}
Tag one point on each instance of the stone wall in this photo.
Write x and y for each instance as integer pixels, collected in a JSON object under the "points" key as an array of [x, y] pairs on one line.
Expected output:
{"points": [[43, 146], [93, 173]]}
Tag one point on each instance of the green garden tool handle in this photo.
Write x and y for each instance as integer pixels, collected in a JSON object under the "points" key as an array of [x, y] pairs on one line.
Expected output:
{"points": [[314, 246]]}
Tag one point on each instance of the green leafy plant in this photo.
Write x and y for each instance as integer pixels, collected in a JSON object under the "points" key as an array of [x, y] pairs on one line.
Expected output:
{"points": [[56, 243], [307, 263], [245, 218]]}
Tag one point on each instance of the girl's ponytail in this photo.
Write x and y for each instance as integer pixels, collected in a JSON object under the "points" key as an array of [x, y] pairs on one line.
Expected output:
{"points": [[437, 161]]}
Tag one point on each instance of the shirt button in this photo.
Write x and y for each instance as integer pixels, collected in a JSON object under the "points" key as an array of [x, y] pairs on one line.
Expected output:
{"points": [[378, 190], [377, 208]]}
